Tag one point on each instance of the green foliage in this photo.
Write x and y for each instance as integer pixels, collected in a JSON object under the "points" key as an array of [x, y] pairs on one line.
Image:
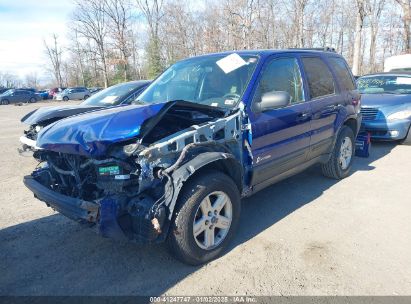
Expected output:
{"points": [[155, 66]]}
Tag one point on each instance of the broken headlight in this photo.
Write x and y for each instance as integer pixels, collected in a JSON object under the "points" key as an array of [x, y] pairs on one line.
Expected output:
{"points": [[124, 151], [130, 148]]}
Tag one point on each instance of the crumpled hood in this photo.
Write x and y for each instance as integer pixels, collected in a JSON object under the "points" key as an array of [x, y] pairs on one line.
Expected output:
{"points": [[54, 113], [90, 134], [385, 100]]}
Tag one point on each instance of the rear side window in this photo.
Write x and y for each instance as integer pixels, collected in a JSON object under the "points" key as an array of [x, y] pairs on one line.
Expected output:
{"points": [[319, 77], [343, 74]]}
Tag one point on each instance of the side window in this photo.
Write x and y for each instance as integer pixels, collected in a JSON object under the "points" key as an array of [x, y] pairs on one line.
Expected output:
{"points": [[343, 74], [281, 74], [319, 77]]}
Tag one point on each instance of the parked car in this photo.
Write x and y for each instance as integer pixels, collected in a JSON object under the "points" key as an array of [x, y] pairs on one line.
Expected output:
{"points": [[208, 131], [53, 92], [2, 90], [95, 90], [386, 105], [120, 94], [73, 93], [17, 96], [43, 94]]}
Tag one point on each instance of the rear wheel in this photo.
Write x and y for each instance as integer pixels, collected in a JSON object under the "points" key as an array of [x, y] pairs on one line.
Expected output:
{"points": [[32, 100], [339, 165], [206, 218], [85, 97]]}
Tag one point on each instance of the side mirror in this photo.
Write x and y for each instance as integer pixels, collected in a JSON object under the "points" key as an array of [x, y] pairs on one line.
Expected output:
{"points": [[272, 100]]}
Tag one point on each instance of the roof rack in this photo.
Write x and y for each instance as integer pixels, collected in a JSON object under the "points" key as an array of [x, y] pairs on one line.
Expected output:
{"points": [[325, 49]]}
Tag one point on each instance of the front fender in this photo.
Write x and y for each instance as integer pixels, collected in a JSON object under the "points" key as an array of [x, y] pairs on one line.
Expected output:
{"points": [[183, 173]]}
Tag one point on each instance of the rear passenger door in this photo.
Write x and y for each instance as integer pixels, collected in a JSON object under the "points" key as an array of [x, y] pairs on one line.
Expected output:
{"points": [[281, 136], [325, 103], [75, 94]]}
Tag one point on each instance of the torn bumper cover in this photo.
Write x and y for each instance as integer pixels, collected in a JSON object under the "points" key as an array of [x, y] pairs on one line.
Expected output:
{"points": [[74, 208], [105, 215]]}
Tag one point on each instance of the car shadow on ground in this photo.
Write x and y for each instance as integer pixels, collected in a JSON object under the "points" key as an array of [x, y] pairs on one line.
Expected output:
{"points": [[55, 256]]}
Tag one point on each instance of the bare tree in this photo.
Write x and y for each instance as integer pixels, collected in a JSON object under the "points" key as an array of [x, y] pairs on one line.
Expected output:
{"points": [[32, 80], [359, 23], [406, 19], [374, 10], [153, 13], [119, 13], [54, 52], [91, 22], [9, 80]]}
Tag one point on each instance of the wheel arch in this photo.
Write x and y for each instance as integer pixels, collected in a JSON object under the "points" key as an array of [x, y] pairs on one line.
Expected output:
{"points": [[219, 161], [352, 123]]}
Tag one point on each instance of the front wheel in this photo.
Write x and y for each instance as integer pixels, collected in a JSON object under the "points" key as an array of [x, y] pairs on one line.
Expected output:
{"points": [[65, 98], [340, 162], [206, 218], [4, 102], [32, 100], [85, 97]]}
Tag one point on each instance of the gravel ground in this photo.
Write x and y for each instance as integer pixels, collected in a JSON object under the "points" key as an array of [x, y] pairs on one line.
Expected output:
{"points": [[307, 235]]}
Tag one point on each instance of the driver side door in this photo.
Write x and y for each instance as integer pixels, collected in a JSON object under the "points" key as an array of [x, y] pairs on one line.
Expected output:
{"points": [[281, 136]]}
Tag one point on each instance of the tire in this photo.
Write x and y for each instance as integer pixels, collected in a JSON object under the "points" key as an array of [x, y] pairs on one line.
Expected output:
{"points": [[65, 98], [407, 140], [85, 97], [5, 102], [181, 241], [338, 166], [33, 100]]}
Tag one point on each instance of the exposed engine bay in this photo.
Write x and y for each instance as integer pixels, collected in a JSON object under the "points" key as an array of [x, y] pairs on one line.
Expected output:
{"points": [[132, 190]]}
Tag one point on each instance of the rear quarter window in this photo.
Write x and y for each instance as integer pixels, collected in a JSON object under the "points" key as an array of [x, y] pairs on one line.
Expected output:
{"points": [[319, 77], [341, 70]]}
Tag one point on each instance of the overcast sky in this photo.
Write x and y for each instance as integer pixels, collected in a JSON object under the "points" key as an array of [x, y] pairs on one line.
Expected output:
{"points": [[23, 26]]}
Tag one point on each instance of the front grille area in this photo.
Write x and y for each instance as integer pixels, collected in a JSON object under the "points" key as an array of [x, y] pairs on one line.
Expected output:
{"points": [[369, 113]]}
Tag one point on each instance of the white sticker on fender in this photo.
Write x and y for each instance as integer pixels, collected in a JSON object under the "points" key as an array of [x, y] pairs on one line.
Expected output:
{"points": [[231, 63]]}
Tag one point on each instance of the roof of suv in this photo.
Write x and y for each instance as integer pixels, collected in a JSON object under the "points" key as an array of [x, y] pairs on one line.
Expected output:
{"points": [[269, 52]]}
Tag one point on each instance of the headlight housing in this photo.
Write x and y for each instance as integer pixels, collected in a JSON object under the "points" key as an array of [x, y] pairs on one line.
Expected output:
{"points": [[130, 148], [400, 115], [124, 151]]}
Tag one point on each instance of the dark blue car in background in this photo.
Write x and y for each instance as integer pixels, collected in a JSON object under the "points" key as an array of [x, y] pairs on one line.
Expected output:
{"points": [[211, 129], [119, 94], [386, 105]]}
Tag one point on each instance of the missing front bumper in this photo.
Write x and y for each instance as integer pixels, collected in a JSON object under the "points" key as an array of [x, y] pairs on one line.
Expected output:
{"points": [[107, 215], [75, 209]]}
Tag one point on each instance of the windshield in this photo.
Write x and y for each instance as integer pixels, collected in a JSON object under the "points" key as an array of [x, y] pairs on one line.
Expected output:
{"points": [[217, 80], [385, 84], [111, 96], [8, 92]]}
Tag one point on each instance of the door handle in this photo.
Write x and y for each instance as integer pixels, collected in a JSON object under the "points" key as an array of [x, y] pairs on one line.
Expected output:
{"points": [[303, 116]]}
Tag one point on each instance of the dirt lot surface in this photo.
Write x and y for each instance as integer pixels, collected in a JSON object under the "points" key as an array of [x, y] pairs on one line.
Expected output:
{"points": [[307, 235]]}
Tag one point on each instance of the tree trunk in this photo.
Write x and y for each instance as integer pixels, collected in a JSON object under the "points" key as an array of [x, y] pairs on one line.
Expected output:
{"points": [[357, 42], [407, 30]]}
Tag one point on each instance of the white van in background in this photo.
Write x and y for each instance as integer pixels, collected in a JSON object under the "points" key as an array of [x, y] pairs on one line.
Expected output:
{"points": [[398, 63]]}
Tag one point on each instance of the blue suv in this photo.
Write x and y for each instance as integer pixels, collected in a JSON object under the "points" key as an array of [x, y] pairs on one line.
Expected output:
{"points": [[174, 165]]}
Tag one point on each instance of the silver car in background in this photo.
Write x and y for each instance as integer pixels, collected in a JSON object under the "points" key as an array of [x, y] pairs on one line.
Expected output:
{"points": [[73, 93]]}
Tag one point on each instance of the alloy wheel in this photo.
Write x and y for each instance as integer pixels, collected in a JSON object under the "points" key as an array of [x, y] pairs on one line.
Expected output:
{"points": [[346, 151], [212, 220]]}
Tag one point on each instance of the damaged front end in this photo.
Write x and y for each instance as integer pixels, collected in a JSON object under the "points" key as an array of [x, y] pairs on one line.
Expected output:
{"points": [[129, 188]]}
